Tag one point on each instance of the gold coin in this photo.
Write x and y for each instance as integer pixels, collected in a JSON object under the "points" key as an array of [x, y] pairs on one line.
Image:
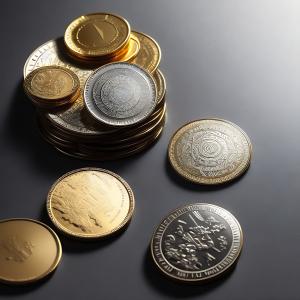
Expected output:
{"points": [[29, 251], [210, 151], [160, 85], [149, 55], [90, 203], [97, 35], [51, 83]]}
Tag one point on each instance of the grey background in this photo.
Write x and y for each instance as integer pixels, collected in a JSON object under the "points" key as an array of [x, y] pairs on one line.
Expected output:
{"points": [[238, 60]]}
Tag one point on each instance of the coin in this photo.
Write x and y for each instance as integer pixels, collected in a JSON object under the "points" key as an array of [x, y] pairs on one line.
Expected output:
{"points": [[210, 151], [97, 35], [149, 55], [196, 242], [29, 251], [160, 84], [51, 83], [90, 203], [120, 94]]}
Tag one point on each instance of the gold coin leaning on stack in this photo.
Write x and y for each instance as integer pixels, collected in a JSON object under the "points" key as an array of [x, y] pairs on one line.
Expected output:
{"points": [[50, 87]]}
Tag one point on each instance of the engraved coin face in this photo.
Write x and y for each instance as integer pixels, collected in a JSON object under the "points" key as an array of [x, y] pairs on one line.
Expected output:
{"points": [[90, 203], [120, 94], [51, 82], [149, 55], [29, 251], [210, 151], [196, 242], [96, 35]]}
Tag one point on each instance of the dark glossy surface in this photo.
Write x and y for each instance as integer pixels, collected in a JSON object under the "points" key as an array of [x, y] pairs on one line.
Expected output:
{"points": [[237, 60]]}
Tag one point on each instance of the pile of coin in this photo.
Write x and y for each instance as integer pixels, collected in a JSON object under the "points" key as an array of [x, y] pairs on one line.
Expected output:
{"points": [[91, 44]]}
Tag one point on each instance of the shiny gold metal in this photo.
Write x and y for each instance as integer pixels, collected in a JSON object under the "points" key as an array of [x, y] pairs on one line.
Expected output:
{"points": [[90, 203], [97, 35], [160, 85], [149, 55], [210, 151], [29, 251]]}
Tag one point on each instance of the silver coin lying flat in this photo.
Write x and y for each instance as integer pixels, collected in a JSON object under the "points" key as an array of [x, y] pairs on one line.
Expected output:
{"points": [[120, 94]]}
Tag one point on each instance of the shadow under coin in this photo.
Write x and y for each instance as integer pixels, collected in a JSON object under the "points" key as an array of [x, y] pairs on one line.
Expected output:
{"points": [[176, 289], [188, 185]]}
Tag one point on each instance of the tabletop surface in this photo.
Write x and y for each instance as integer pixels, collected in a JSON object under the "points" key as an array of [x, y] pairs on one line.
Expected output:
{"points": [[236, 60]]}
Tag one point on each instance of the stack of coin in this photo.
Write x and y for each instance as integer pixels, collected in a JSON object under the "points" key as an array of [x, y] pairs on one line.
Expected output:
{"points": [[52, 86], [90, 42]]}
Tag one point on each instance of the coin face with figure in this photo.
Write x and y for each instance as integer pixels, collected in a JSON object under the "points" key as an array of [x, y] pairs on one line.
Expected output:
{"points": [[210, 151], [29, 251], [90, 203], [120, 94], [196, 242], [97, 35]]}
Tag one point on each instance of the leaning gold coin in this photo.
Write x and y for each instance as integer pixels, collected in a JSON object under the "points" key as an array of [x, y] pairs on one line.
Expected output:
{"points": [[51, 83], [90, 203], [97, 35], [210, 151], [149, 55], [29, 251]]}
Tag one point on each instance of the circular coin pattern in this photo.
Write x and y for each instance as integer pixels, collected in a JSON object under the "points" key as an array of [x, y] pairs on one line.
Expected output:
{"points": [[90, 203], [97, 35], [29, 251], [210, 151], [120, 94], [196, 242]]}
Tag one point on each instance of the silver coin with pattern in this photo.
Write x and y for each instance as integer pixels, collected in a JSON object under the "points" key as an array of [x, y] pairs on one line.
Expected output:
{"points": [[197, 242], [210, 151], [120, 94]]}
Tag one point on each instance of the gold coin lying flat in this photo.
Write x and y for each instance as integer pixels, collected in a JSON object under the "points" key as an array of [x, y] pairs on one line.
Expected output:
{"points": [[149, 55], [97, 35], [90, 203], [51, 83], [210, 151], [29, 251], [160, 85]]}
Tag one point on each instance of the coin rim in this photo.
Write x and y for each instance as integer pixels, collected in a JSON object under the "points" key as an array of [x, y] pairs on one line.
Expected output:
{"points": [[210, 180], [68, 232], [56, 261], [201, 279]]}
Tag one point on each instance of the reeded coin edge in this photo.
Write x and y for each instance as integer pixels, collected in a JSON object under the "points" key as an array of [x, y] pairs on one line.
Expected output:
{"points": [[91, 236], [56, 262], [209, 180], [201, 279], [111, 121]]}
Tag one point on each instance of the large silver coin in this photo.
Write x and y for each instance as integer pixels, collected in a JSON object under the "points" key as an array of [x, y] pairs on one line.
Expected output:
{"points": [[197, 242], [120, 94]]}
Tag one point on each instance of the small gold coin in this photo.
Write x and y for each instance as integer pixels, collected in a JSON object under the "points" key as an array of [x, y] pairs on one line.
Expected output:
{"points": [[210, 151], [90, 203], [149, 55], [29, 251], [97, 35], [51, 83]]}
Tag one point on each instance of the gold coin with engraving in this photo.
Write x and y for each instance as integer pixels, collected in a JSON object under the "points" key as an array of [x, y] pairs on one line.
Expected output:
{"points": [[97, 35], [90, 203], [210, 151], [29, 251], [149, 55], [51, 83]]}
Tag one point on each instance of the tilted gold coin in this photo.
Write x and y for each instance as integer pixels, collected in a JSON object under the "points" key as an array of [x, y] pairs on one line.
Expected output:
{"points": [[160, 85], [29, 251], [51, 83], [149, 55], [90, 203], [210, 151], [97, 35]]}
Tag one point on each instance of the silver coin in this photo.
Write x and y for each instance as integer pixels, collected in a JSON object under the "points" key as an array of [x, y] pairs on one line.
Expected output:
{"points": [[197, 242], [120, 94]]}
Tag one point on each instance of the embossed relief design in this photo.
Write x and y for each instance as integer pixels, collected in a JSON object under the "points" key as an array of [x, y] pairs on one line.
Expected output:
{"points": [[196, 242], [17, 249], [83, 202], [210, 152]]}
